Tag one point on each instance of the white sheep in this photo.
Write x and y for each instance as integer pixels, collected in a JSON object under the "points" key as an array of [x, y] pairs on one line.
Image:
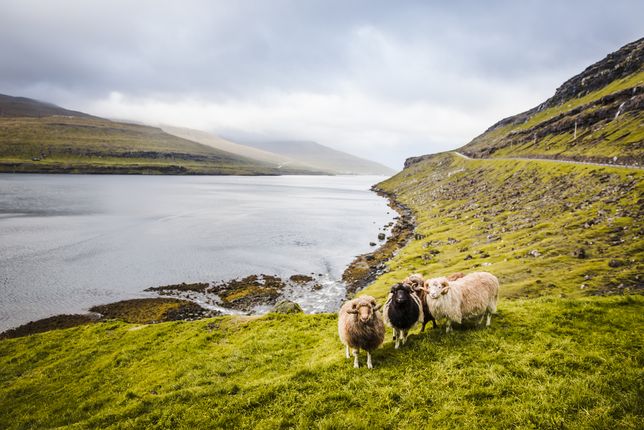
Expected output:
{"points": [[360, 326], [468, 298]]}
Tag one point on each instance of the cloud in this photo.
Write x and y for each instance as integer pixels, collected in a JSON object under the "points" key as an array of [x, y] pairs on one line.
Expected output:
{"points": [[381, 80]]}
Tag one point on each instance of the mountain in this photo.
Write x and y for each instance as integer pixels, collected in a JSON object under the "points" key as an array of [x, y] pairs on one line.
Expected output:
{"points": [[25, 107], [39, 137], [594, 116], [323, 158], [217, 142]]}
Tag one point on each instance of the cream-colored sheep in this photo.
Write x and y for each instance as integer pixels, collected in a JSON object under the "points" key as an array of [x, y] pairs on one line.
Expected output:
{"points": [[468, 298]]}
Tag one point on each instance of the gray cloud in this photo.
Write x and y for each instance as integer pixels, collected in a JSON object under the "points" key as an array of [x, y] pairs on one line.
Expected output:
{"points": [[302, 69]]}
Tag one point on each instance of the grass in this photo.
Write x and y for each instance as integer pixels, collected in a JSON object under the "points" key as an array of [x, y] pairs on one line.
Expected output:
{"points": [[92, 145], [544, 363], [498, 211]]}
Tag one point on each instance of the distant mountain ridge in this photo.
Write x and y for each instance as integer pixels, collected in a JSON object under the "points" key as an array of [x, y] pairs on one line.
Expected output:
{"points": [[323, 157], [25, 107], [39, 137]]}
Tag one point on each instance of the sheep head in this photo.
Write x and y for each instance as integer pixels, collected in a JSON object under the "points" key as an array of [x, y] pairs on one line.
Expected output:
{"points": [[401, 293], [364, 310], [437, 287]]}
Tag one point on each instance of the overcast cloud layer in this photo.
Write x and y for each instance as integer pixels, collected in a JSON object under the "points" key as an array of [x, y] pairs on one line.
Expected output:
{"points": [[381, 80]]}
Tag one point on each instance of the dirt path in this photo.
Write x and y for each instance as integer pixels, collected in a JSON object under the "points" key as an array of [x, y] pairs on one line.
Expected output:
{"points": [[551, 160]]}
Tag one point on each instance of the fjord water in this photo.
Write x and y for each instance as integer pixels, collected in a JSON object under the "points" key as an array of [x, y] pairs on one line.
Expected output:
{"points": [[68, 242]]}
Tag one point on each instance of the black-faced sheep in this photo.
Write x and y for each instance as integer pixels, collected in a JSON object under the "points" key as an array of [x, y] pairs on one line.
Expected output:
{"points": [[402, 311], [469, 298], [416, 281], [360, 326]]}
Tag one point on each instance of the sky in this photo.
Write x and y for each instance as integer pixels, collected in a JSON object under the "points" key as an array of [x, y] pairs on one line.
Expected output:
{"points": [[383, 80]]}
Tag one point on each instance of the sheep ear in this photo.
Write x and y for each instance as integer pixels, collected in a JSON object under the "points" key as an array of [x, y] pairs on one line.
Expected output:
{"points": [[352, 312]]}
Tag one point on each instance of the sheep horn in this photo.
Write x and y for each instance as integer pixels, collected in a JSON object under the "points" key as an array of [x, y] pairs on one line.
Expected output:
{"points": [[352, 312], [377, 308]]}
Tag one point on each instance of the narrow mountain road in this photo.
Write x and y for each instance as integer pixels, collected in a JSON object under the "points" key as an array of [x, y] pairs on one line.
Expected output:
{"points": [[551, 160]]}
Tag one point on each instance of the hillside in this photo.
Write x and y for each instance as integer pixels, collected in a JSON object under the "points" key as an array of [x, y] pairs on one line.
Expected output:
{"points": [[49, 139], [25, 107], [323, 158], [594, 116], [217, 142]]}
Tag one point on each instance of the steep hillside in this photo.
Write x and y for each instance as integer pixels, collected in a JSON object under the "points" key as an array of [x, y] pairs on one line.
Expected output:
{"points": [[543, 227], [323, 158], [597, 116], [41, 138]]}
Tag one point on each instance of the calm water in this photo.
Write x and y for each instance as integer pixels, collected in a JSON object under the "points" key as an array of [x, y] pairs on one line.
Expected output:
{"points": [[70, 242]]}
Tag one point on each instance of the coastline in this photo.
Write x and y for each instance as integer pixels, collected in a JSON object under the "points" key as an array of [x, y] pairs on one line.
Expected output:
{"points": [[366, 268], [362, 271]]}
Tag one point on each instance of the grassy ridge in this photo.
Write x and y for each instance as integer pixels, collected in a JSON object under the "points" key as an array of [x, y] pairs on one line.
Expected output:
{"points": [[94, 145], [554, 359], [544, 363]]}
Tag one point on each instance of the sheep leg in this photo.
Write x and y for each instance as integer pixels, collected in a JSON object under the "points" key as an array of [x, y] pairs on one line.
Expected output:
{"points": [[434, 325], [346, 350], [355, 359], [488, 319], [448, 326], [397, 335], [369, 365], [404, 339]]}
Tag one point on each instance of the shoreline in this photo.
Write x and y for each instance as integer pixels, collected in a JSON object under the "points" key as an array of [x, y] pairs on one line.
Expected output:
{"points": [[362, 271]]}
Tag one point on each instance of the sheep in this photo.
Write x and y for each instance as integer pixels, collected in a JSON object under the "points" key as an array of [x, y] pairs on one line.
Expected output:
{"points": [[416, 281], [467, 298], [360, 326], [402, 311]]}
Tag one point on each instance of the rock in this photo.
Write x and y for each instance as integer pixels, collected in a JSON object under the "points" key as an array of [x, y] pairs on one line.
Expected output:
{"points": [[372, 243], [615, 263], [534, 253], [287, 307], [301, 279], [469, 257], [579, 253], [381, 236]]}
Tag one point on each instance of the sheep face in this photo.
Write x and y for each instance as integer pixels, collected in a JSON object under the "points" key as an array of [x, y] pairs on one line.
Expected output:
{"points": [[364, 311], [401, 293], [437, 287]]}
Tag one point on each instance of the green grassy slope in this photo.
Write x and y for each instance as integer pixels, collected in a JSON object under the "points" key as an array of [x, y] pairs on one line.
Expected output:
{"points": [[492, 214], [94, 145], [595, 116], [544, 363]]}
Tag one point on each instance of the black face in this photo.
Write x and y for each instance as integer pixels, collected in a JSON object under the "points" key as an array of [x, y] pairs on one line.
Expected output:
{"points": [[400, 293]]}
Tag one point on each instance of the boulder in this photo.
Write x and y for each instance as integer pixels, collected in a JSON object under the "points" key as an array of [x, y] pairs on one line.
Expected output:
{"points": [[287, 307]]}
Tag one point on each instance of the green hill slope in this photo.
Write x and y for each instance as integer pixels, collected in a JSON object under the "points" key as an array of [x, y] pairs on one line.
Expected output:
{"points": [[544, 363], [49, 139], [595, 116]]}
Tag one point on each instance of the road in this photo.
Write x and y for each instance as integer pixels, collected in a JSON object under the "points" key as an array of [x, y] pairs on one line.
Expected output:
{"points": [[551, 160]]}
